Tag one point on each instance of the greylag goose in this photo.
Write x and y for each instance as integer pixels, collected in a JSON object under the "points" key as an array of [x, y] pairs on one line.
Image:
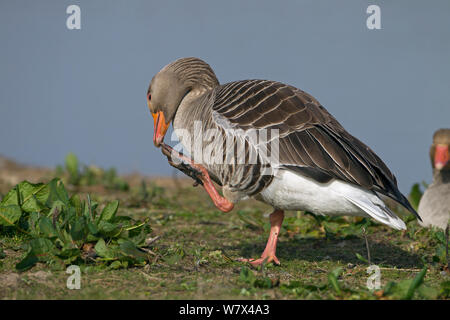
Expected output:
{"points": [[434, 206], [319, 167]]}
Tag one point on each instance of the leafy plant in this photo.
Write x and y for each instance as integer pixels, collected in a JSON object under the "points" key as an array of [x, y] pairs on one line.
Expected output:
{"points": [[333, 280], [407, 289], [417, 281], [62, 230], [72, 167], [415, 195], [145, 195], [441, 246], [445, 290], [308, 225], [248, 276], [90, 175], [361, 258], [250, 221], [301, 289]]}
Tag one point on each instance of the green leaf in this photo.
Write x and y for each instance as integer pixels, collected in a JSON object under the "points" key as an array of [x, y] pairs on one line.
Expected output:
{"points": [[101, 248], [68, 216], [91, 238], [78, 230], [64, 236], [247, 276], [2, 254], [69, 251], [41, 247], [9, 215], [427, 292], [109, 211], [57, 192], [414, 195], [27, 263], [440, 236], [418, 280], [92, 228], [360, 257], [103, 251], [115, 265], [32, 196], [250, 221], [445, 290], [139, 234], [441, 254], [333, 279], [128, 248], [33, 223], [72, 167], [108, 229], [56, 211], [76, 202], [46, 227], [10, 198], [90, 209], [265, 283]]}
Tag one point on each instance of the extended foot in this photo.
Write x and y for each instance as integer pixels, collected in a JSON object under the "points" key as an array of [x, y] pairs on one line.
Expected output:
{"points": [[199, 174]]}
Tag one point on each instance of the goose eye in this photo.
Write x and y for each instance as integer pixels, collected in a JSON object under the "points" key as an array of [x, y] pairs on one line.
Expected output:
{"points": [[149, 96]]}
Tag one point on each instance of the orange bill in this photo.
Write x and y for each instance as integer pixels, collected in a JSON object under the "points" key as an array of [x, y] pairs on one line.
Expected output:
{"points": [[160, 127], [441, 156]]}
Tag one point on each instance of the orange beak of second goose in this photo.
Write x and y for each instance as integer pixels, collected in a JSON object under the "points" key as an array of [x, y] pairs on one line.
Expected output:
{"points": [[160, 127], [441, 156]]}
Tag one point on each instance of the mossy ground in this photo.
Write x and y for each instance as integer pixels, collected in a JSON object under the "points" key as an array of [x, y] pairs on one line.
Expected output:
{"points": [[194, 256]]}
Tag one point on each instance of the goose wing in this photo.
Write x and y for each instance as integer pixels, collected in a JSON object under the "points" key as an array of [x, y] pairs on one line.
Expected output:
{"points": [[311, 140]]}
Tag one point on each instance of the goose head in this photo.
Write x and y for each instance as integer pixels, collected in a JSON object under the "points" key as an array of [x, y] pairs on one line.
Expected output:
{"points": [[439, 151], [171, 85]]}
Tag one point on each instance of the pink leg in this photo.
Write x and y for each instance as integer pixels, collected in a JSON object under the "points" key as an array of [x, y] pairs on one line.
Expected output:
{"points": [[220, 202], [276, 219]]}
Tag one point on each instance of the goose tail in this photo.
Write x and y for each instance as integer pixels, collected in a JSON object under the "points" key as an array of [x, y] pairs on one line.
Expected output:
{"points": [[376, 209]]}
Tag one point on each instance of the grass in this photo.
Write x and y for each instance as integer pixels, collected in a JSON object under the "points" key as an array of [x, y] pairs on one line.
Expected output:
{"points": [[194, 247]]}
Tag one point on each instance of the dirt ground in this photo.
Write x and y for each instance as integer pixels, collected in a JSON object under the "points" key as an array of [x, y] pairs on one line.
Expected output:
{"points": [[196, 252]]}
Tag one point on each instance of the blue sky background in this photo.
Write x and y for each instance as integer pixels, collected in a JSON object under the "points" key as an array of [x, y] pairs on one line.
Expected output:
{"points": [[84, 90]]}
